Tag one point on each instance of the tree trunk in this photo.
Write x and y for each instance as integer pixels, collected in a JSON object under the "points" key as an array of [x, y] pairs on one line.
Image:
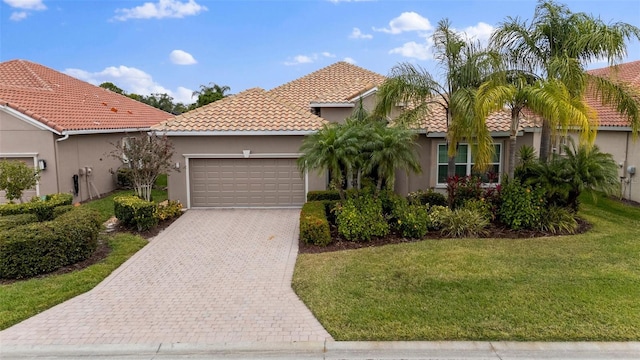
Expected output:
{"points": [[545, 141], [451, 167], [512, 155]]}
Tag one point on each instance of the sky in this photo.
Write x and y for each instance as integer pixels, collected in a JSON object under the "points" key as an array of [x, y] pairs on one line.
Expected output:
{"points": [[177, 46]]}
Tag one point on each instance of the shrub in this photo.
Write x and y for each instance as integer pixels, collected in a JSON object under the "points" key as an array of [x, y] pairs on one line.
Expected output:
{"points": [[314, 227], [429, 197], [134, 212], [521, 207], [437, 214], [43, 209], [43, 247], [464, 223], [321, 195], [16, 177], [390, 200], [411, 220], [169, 210], [10, 221], [460, 189], [330, 210], [123, 178], [557, 219], [482, 207], [62, 210], [361, 218]]}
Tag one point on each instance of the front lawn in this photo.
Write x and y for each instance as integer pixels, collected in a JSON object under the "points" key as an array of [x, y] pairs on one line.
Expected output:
{"points": [[571, 288], [23, 299]]}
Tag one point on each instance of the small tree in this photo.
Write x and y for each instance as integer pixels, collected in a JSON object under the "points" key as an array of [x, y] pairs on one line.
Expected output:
{"points": [[147, 156], [16, 177]]}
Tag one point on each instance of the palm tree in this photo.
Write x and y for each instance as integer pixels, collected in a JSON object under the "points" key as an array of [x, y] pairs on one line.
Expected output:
{"points": [[390, 148], [519, 90], [559, 44], [465, 66], [209, 94], [334, 148]]}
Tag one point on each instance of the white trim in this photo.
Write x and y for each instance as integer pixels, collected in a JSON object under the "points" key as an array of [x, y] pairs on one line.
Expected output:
{"points": [[332, 105], [28, 119], [493, 134], [614, 128], [237, 132], [188, 158], [35, 158], [364, 94], [104, 131]]}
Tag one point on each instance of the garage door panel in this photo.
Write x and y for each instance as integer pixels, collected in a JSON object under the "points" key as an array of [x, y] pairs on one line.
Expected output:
{"points": [[245, 182]]}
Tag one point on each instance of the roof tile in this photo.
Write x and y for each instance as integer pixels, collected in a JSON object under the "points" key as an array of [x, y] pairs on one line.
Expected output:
{"points": [[628, 73]]}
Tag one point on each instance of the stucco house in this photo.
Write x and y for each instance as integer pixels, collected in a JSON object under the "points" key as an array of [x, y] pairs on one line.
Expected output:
{"points": [[615, 133], [241, 151], [67, 127]]}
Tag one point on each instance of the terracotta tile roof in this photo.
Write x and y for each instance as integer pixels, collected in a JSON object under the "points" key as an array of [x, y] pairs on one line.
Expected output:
{"points": [[251, 110], [628, 73], [336, 83], [68, 104]]}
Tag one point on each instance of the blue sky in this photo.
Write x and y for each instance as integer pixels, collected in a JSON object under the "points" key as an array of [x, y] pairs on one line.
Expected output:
{"points": [[174, 46]]}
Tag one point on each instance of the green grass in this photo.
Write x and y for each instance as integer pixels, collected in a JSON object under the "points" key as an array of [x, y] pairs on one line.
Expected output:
{"points": [[105, 205], [23, 299], [573, 288]]}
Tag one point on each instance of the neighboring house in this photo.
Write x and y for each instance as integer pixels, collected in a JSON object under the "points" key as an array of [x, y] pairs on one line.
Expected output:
{"points": [[241, 151], [614, 130], [67, 127]]}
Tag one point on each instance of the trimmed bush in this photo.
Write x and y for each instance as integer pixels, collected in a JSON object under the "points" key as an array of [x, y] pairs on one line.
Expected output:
{"points": [[521, 206], [62, 210], [172, 209], [134, 212], [330, 210], [39, 248], [10, 221], [464, 223], [429, 197], [361, 218], [314, 227], [411, 220], [43, 209], [321, 195]]}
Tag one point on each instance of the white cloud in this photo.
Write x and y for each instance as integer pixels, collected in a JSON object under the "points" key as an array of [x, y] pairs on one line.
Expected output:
{"points": [[18, 15], [308, 59], [26, 4], [407, 21], [414, 50], [481, 32], [132, 80], [161, 9], [181, 57], [357, 34], [349, 60]]}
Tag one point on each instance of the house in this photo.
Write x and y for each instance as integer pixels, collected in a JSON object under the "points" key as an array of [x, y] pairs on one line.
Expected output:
{"points": [[614, 130], [66, 127], [241, 151]]}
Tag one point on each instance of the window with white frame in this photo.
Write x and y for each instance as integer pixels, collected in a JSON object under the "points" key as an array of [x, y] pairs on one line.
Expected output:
{"points": [[464, 163]]}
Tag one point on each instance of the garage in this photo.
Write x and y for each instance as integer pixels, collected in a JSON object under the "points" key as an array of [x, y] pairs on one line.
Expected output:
{"points": [[245, 182]]}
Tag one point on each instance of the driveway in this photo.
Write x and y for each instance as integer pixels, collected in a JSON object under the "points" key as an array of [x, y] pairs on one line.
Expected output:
{"points": [[213, 276]]}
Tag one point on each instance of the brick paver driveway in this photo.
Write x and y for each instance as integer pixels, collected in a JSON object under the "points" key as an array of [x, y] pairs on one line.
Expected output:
{"points": [[213, 276]]}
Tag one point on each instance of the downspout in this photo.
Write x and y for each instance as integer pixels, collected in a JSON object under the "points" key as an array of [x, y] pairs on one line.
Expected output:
{"points": [[55, 153], [626, 163]]}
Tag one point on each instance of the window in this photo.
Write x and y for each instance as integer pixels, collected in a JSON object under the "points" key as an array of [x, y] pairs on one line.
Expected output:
{"points": [[126, 144], [464, 162]]}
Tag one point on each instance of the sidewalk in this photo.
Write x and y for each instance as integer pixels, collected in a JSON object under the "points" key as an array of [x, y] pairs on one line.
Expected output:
{"points": [[335, 350]]}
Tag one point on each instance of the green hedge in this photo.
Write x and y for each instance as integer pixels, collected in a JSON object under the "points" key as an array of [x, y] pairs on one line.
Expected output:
{"points": [[321, 195], [132, 211], [10, 221], [43, 209], [39, 248], [314, 227]]}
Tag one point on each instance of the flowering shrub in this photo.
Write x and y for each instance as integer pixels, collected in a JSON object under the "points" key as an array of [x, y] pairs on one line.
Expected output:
{"points": [[522, 207], [437, 214], [411, 220]]}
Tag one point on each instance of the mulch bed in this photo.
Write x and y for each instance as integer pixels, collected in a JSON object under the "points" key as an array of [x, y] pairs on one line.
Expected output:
{"points": [[499, 232]]}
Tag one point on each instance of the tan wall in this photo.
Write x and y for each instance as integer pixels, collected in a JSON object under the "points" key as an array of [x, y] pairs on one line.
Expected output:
{"points": [[92, 150], [232, 146], [20, 137], [337, 115], [625, 152]]}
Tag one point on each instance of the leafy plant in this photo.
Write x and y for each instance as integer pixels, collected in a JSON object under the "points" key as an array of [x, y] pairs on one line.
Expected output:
{"points": [[428, 197], [437, 216], [411, 220], [464, 223], [522, 207], [558, 220], [16, 177], [314, 227], [360, 219], [460, 189], [169, 210]]}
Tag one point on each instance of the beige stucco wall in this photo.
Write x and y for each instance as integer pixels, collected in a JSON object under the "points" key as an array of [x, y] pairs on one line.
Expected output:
{"points": [[625, 152], [339, 114], [91, 150], [232, 146], [18, 137]]}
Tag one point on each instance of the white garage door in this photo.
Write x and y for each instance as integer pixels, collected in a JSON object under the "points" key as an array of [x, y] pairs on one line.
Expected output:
{"points": [[245, 183]]}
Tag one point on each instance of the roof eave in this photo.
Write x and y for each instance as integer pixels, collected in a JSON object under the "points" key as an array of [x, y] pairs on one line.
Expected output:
{"points": [[14, 111], [235, 132]]}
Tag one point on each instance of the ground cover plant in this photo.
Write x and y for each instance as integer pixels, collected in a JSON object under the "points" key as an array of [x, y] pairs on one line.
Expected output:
{"points": [[569, 288]]}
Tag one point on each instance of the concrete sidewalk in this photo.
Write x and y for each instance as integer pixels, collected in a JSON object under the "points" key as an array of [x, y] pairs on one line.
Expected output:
{"points": [[335, 350]]}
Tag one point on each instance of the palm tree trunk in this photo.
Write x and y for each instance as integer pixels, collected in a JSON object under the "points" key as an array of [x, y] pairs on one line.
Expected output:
{"points": [[512, 155], [451, 167], [545, 141]]}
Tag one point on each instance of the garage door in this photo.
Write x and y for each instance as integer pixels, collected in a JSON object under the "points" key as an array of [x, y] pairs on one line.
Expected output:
{"points": [[245, 182]]}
